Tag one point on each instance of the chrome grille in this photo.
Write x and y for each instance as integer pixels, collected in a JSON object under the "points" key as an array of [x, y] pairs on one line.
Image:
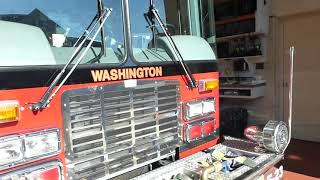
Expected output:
{"points": [[110, 130]]}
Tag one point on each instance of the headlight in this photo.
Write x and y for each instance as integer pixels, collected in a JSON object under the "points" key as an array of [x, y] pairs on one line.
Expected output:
{"points": [[193, 109], [41, 144], [44, 171], [25, 148], [10, 150], [199, 108], [208, 106]]}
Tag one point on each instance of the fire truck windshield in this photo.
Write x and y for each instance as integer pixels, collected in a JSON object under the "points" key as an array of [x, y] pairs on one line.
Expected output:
{"points": [[184, 22], [37, 32]]}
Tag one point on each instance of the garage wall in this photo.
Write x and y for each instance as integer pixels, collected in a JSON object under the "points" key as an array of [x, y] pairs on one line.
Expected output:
{"points": [[303, 33], [273, 104], [296, 24], [262, 109], [291, 7], [266, 108]]}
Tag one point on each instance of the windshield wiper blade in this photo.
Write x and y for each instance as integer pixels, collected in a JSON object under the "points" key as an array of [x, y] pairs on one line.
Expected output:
{"points": [[151, 24], [50, 94], [153, 11]]}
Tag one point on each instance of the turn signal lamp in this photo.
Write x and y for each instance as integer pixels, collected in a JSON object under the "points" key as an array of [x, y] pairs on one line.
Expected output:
{"points": [[193, 132], [199, 130], [9, 111], [208, 127], [208, 85]]}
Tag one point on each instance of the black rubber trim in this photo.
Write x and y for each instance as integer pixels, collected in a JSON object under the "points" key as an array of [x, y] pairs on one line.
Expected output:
{"points": [[41, 76], [187, 146]]}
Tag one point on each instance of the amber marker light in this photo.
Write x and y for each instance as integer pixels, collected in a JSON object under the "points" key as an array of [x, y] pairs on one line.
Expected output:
{"points": [[9, 111], [208, 85]]}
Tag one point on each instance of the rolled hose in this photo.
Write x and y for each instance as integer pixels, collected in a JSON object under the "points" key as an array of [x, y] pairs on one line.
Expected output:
{"points": [[215, 167]]}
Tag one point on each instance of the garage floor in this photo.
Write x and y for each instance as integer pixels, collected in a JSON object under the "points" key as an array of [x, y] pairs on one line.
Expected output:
{"points": [[302, 161]]}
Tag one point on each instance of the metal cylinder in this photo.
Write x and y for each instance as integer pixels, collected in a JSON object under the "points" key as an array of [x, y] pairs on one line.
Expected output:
{"points": [[274, 136]]}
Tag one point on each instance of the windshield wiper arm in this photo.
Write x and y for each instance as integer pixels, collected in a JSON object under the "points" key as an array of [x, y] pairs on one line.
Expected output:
{"points": [[50, 94], [153, 11], [85, 33], [103, 40]]}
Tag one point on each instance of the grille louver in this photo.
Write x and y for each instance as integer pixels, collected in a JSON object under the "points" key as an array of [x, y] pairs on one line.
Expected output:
{"points": [[111, 130]]}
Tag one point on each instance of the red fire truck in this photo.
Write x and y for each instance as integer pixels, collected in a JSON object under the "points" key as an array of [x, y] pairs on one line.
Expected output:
{"points": [[110, 89]]}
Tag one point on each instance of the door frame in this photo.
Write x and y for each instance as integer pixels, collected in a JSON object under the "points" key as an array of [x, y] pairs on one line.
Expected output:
{"points": [[281, 56], [277, 39]]}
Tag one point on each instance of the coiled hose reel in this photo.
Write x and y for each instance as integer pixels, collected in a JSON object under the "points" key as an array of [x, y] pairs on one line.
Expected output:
{"points": [[275, 136]]}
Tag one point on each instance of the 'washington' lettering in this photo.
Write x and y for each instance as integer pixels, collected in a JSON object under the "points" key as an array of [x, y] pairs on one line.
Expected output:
{"points": [[126, 73]]}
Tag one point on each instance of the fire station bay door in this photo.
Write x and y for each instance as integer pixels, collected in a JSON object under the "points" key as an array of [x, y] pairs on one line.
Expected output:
{"points": [[303, 32]]}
